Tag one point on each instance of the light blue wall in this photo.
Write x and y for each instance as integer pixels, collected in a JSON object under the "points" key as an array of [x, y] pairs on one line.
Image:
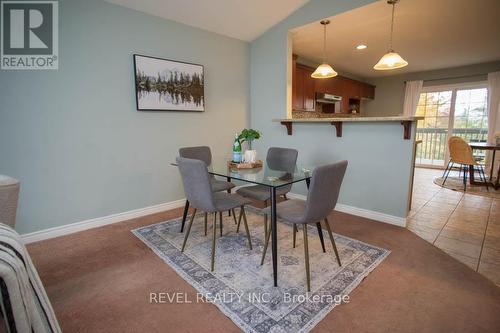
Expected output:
{"points": [[81, 150], [73, 136], [379, 159]]}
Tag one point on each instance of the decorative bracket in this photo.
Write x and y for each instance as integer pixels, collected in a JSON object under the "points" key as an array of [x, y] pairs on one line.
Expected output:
{"points": [[407, 129], [407, 124], [338, 128], [288, 125]]}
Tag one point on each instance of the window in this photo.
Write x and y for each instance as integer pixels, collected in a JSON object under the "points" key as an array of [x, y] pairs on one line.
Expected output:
{"points": [[450, 110]]}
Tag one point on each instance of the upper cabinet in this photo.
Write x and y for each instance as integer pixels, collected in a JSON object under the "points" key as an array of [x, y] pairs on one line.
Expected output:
{"points": [[352, 88], [334, 86], [304, 89], [344, 86], [367, 91]]}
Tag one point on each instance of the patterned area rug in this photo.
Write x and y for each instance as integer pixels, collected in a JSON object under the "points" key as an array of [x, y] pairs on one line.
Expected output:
{"points": [[457, 184], [243, 289]]}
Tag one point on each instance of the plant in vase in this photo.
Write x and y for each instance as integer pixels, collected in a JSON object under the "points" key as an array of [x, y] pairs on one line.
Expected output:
{"points": [[248, 135]]}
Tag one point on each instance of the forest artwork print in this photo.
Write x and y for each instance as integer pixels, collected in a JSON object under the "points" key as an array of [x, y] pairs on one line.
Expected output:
{"points": [[166, 85]]}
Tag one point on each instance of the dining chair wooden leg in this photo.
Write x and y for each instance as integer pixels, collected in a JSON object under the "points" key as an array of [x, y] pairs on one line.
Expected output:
{"points": [[214, 234], [234, 216], [294, 234], [246, 227], [239, 221], [206, 218], [332, 240], [306, 257], [188, 230], [220, 223], [266, 243]]}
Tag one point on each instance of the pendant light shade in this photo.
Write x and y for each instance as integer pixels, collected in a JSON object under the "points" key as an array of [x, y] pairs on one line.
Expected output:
{"points": [[324, 71], [391, 60]]}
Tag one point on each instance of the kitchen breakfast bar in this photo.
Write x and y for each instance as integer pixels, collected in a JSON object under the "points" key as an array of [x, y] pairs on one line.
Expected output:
{"points": [[337, 122]]}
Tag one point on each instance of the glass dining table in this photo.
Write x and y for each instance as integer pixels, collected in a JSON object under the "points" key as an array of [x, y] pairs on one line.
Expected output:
{"points": [[271, 178]]}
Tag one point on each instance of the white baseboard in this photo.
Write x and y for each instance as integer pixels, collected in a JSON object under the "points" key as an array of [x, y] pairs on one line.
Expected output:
{"points": [[99, 221], [372, 215], [369, 214], [114, 218]]}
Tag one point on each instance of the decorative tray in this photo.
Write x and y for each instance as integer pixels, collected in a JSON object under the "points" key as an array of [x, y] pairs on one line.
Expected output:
{"points": [[244, 165]]}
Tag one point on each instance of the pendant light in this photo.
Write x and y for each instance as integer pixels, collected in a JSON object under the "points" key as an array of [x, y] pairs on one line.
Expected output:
{"points": [[391, 60], [324, 71]]}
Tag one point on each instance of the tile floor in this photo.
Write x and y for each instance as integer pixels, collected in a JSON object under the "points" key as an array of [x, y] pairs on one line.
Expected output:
{"points": [[465, 226]]}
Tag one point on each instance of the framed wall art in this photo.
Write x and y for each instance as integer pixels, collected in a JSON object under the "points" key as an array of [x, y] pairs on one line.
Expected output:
{"points": [[168, 85]]}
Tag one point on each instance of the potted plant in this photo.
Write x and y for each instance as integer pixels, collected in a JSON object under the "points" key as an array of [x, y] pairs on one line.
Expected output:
{"points": [[248, 135]]}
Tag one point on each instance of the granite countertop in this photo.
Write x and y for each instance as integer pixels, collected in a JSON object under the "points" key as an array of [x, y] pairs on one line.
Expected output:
{"points": [[348, 118]]}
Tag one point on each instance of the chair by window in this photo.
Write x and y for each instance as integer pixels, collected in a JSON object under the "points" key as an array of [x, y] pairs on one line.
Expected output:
{"points": [[461, 153]]}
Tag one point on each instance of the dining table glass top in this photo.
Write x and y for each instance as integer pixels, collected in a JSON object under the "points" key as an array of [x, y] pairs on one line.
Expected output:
{"points": [[264, 175]]}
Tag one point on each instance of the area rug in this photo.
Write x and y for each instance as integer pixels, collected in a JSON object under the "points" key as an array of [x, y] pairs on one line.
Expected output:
{"points": [[457, 184], [243, 289]]}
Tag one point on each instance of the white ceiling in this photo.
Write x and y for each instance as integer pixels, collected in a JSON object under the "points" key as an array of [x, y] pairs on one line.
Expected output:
{"points": [[429, 34], [241, 19]]}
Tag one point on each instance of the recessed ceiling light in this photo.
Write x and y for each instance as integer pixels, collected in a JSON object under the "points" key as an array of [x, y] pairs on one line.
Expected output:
{"points": [[361, 47]]}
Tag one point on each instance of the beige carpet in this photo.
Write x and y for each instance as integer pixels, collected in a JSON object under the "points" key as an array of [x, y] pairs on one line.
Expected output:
{"points": [[99, 280]]}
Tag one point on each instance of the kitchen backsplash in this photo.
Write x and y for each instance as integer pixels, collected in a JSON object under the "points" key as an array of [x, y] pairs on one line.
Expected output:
{"points": [[317, 113]]}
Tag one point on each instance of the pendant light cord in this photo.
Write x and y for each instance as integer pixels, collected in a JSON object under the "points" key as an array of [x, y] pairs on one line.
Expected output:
{"points": [[324, 43], [392, 27]]}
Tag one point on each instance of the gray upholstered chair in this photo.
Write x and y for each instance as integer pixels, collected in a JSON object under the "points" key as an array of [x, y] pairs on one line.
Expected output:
{"points": [[204, 154], [321, 200], [282, 159], [9, 195], [196, 181]]}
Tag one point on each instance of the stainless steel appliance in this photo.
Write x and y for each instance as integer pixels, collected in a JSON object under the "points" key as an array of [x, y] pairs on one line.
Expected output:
{"points": [[330, 101]]}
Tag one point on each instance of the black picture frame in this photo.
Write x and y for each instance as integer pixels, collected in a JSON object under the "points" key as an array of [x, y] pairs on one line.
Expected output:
{"points": [[168, 85]]}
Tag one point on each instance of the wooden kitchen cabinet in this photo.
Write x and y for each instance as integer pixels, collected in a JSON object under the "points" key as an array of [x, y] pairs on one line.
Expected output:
{"points": [[303, 89], [297, 90], [332, 86], [352, 88], [368, 91], [343, 86], [309, 91]]}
